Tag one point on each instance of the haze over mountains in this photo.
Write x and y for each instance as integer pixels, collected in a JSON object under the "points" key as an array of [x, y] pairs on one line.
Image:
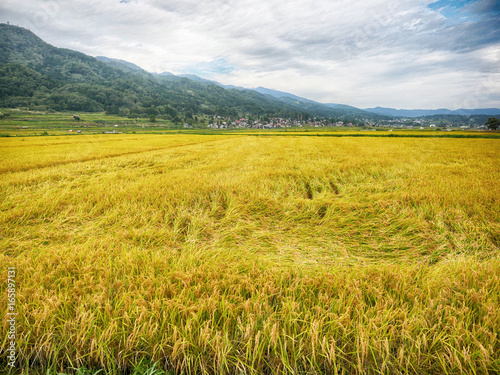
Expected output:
{"points": [[37, 75], [432, 112]]}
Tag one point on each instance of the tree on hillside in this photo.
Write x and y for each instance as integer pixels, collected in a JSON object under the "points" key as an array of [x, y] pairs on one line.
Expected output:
{"points": [[176, 120], [493, 123]]}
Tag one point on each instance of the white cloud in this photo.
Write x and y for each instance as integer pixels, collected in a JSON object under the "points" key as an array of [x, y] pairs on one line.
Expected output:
{"points": [[362, 53]]}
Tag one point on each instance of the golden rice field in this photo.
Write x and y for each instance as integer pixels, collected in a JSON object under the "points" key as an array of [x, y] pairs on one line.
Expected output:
{"points": [[251, 255]]}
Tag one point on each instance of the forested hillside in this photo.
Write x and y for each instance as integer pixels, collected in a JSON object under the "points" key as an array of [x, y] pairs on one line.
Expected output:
{"points": [[36, 75]]}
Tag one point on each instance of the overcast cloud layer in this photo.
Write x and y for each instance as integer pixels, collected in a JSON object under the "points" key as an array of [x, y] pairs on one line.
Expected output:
{"points": [[365, 53]]}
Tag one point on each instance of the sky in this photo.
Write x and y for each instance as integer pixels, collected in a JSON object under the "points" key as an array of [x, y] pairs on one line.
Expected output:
{"points": [[365, 53]]}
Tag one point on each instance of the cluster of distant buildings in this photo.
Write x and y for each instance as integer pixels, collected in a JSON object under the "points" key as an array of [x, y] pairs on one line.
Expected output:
{"points": [[419, 123], [273, 123]]}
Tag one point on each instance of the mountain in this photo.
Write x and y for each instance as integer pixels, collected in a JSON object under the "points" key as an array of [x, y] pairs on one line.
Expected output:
{"points": [[432, 112], [353, 111], [196, 78], [164, 74], [121, 64], [37, 75], [281, 95], [34, 73], [335, 110]]}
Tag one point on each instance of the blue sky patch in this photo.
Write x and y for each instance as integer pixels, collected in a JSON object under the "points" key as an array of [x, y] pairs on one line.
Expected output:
{"points": [[454, 4], [465, 9], [450, 8]]}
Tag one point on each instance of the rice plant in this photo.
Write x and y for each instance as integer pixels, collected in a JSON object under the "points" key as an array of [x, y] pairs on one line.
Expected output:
{"points": [[191, 254]]}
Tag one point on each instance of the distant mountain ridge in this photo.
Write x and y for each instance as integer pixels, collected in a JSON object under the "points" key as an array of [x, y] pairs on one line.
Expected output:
{"points": [[36, 74], [432, 112], [121, 64], [337, 108], [390, 112], [281, 94]]}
